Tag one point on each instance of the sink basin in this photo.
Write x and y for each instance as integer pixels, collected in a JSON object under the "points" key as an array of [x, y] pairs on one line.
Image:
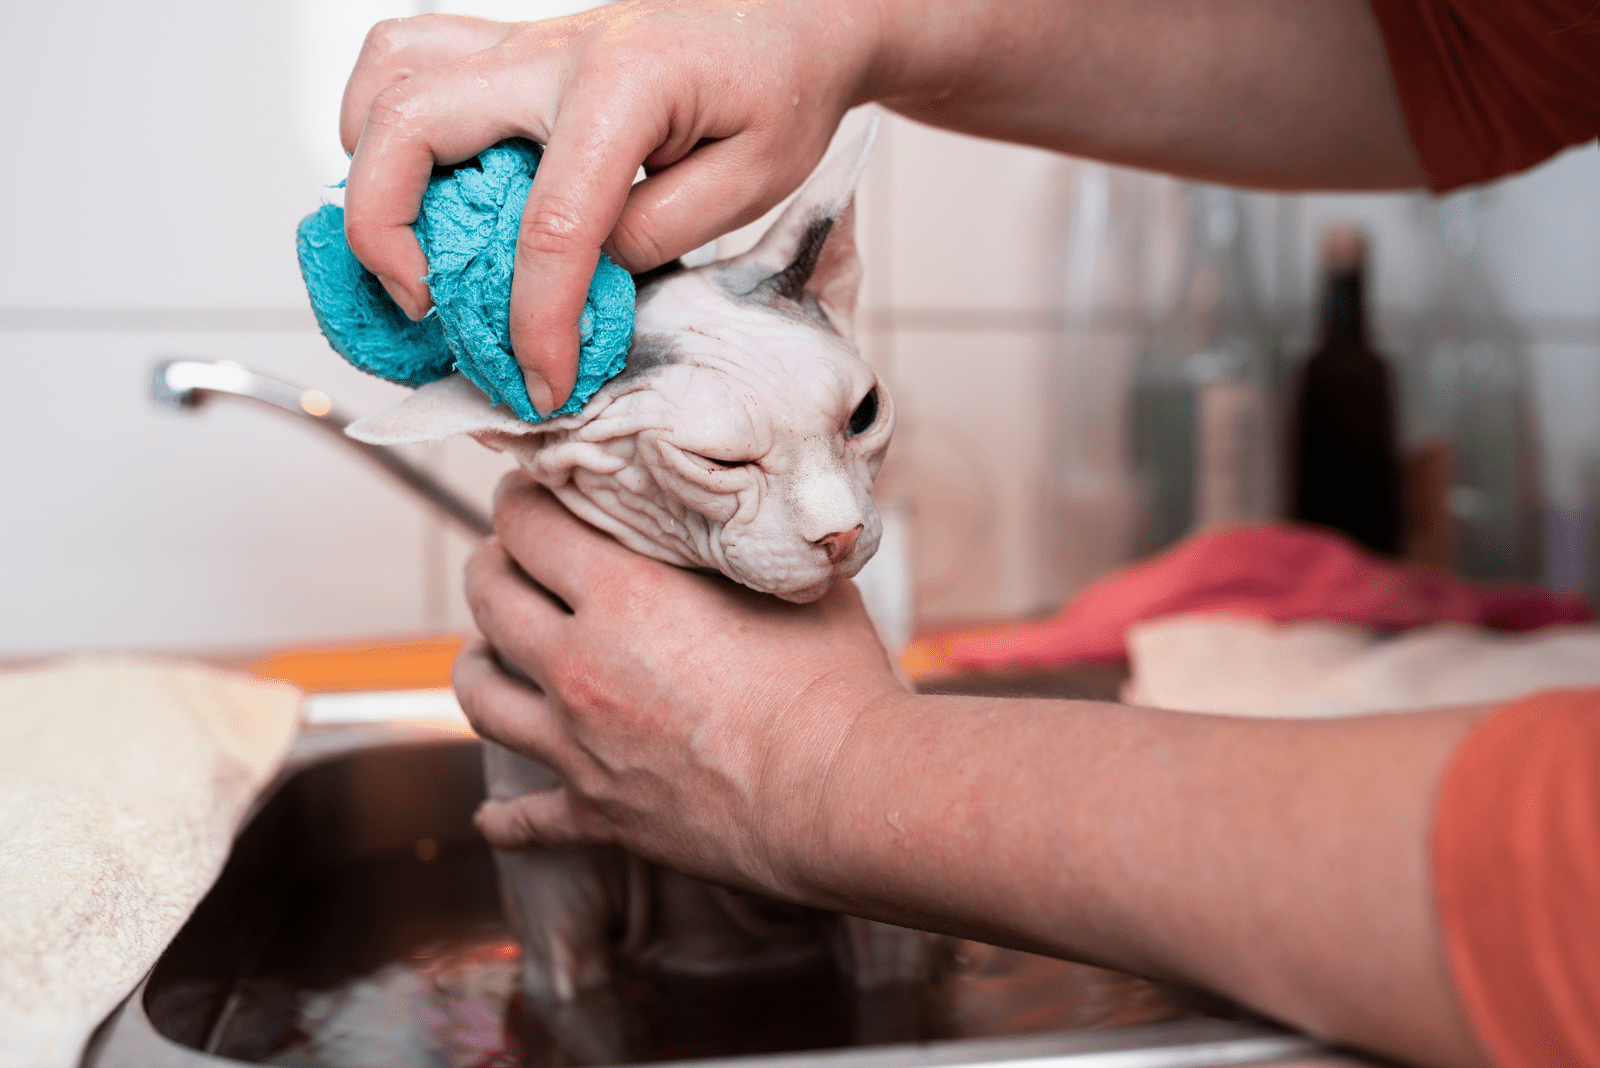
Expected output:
{"points": [[358, 923]]}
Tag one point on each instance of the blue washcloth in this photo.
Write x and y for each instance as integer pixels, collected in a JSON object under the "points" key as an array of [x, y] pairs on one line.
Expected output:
{"points": [[467, 226]]}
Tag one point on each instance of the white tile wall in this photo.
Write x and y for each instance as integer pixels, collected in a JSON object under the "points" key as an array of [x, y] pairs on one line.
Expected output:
{"points": [[151, 164], [1542, 232], [977, 224], [965, 308], [972, 444], [131, 526], [153, 214]]}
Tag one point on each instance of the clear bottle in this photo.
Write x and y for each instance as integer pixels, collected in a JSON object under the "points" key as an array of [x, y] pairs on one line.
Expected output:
{"points": [[1472, 465], [1204, 432]]}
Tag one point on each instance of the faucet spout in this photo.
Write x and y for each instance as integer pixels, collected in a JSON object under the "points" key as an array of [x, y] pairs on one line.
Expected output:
{"points": [[184, 385]]}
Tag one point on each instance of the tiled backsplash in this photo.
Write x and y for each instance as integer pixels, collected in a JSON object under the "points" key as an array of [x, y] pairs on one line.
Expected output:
{"points": [[1012, 448], [228, 527], [134, 527]]}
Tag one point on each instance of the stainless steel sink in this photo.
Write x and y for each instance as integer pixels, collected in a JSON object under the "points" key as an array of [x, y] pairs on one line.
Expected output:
{"points": [[357, 923]]}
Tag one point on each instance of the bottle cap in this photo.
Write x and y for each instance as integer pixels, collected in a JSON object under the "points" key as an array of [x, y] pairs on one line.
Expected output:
{"points": [[1344, 247]]}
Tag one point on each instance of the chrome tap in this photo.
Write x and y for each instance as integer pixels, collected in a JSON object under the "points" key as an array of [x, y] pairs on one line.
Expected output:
{"points": [[184, 385]]}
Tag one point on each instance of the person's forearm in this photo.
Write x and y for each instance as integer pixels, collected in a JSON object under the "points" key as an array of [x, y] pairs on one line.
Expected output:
{"points": [[1253, 92], [1281, 863]]}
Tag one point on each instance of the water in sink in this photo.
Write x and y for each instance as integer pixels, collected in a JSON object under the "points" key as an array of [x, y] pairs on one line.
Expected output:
{"points": [[358, 923]]}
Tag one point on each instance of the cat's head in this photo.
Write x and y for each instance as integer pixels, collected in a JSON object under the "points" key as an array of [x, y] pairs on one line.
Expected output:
{"points": [[744, 434]]}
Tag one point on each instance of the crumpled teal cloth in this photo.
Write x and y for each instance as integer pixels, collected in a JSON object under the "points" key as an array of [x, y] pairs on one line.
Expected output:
{"points": [[467, 226]]}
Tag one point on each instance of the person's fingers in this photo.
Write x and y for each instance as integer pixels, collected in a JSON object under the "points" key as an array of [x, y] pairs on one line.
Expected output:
{"points": [[397, 49], [502, 707], [516, 714], [443, 115], [515, 480], [716, 189], [514, 615], [544, 819], [557, 549], [592, 155]]}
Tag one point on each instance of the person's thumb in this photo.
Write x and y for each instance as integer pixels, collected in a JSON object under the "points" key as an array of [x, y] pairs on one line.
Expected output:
{"points": [[542, 819]]}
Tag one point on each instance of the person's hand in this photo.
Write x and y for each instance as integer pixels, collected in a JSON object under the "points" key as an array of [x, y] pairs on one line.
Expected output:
{"points": [[690, 720], [767, 746], [727, 104]]}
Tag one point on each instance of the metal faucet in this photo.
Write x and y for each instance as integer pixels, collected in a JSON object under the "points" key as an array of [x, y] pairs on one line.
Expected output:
{"points": [[184, 385]]}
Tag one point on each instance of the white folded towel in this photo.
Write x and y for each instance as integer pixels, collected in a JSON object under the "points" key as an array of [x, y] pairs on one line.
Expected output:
{"points": [[1253, 667], [122, 783]]}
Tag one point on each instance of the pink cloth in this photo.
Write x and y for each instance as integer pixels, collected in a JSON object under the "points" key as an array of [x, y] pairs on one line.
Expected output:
{"points": [[1279, 573]]}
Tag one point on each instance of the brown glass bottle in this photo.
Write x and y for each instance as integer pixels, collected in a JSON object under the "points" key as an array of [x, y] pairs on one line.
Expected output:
{"points": [[1344, 459]]}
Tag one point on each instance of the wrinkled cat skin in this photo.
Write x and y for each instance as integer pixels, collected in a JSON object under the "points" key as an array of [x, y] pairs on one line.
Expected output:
{"points": [[746, 431], [744, 435]]}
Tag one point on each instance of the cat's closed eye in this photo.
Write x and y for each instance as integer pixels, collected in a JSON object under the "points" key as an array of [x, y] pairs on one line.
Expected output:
{"points": [[864, 416], [722, 463]]}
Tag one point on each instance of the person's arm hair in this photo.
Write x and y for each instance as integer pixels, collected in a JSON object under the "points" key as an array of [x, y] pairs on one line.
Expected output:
{"points": [[1252, 92], [1283, 864]]}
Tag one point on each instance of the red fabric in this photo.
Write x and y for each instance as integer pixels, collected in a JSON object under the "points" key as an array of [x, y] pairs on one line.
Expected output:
{"points": [[1516, 868], [1271, 572], [1489, 87]]}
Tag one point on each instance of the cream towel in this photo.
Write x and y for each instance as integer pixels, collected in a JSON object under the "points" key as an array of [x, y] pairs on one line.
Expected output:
{"points": [[121, 785], [1252, 667]]}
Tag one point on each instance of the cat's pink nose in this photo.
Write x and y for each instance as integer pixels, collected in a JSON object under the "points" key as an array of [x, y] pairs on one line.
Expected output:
{"points": [[838, 544]]}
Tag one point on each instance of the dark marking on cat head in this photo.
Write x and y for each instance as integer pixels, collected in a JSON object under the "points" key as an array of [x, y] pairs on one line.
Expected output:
{"points": [[647, 283], [645, 279], [648, 352], [790, 283]]}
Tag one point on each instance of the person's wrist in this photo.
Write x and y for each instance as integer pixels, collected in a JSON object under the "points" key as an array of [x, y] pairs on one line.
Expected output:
{"points": [[882, 33], [916, 50], [810, 862]]}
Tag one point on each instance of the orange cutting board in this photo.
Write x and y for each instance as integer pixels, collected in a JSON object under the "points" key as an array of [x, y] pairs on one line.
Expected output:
{"points": [[345, 667]]}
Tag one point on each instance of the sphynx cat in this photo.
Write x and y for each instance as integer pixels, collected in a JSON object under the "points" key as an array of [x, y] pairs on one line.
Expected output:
{"points": [[743, 436]]}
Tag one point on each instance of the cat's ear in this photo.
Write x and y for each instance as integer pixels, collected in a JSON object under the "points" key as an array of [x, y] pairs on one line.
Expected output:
{"points": [[444, 409], [811, 250]]}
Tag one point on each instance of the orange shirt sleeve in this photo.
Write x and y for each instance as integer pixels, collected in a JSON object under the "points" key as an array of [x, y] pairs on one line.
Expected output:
{"points": [[1489, 87], [1516, 855]]}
